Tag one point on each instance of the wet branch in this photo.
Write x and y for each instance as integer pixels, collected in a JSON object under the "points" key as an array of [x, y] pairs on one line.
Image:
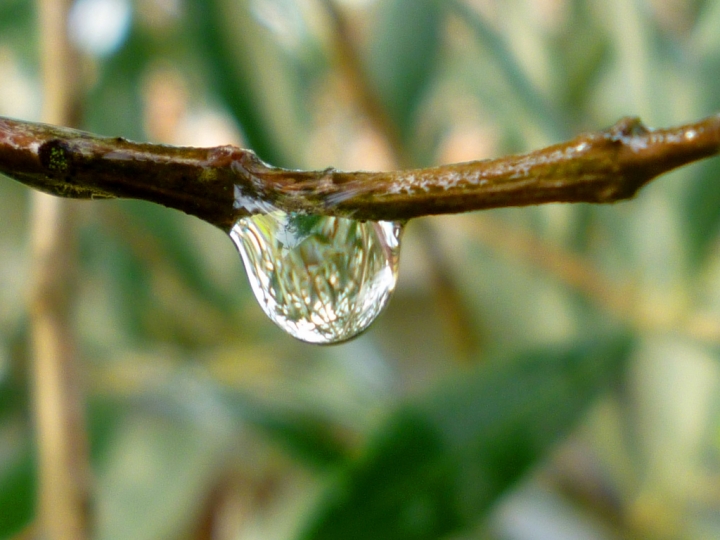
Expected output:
{"points": [[223, 184]]}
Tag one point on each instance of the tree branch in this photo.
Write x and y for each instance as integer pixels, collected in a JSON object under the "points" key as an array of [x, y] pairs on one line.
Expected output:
{"points": [[223, 184]]}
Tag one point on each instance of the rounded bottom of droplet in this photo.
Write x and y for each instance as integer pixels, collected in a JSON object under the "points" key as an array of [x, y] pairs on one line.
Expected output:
{"points": [[323, 280]]}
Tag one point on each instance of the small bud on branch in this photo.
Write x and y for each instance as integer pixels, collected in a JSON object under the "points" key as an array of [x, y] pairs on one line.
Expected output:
{"points": [[223, 184]]}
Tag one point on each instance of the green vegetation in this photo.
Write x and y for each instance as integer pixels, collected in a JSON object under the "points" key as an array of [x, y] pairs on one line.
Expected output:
{"points": [[539, 370]]}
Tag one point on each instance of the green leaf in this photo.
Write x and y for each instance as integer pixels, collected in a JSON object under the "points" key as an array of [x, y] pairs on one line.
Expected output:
{"points": [[405, 45], [129, 284], [17, 493], [534, 104], [114, 105], [168, 229], [18, 477], [13, 397], [701, 210], [440, 462], [580, 53], [178, 466], [303, 432], [251, 76], [702, 194], [641, 52], [306, 435], [17, 469], [16, 21]]}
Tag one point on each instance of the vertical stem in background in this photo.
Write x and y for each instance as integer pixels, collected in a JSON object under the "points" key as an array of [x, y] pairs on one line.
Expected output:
{"points": [[367, 98], [63, 470]]}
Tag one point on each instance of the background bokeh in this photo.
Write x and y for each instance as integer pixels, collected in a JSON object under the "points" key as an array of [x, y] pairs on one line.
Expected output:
{"points": [[541, 373]]}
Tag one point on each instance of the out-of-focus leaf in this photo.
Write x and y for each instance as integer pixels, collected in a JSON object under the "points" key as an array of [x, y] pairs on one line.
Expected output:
{"points": [[580, 51], [129, 285], [167, 228], [17, 476], [18, 480], [154, 474], [17, 493], [103, 417], [13, 397], [10, 8], [150, 278], [251, 76], [534, 104], [641, 52], [16, 17], [702, 194], [308, 437], [705, 40], [404, 51], [439, 463], [702, 211], [306, 434], [114, 105]]}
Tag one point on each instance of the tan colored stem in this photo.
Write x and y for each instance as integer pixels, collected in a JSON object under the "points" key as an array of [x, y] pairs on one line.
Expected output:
{"points": [[350, 63], [569, 268], [63, 470], [62, 447]]}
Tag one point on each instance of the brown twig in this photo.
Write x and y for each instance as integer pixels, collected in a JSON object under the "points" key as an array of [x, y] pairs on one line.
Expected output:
{"points": [[223, 184]]}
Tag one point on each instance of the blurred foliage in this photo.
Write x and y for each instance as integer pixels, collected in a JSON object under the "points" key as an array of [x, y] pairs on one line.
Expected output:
{"points": [[587, 407], [436, 464]]}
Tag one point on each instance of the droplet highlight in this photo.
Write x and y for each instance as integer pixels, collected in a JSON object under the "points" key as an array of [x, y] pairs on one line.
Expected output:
{"points": [[321, 279]]}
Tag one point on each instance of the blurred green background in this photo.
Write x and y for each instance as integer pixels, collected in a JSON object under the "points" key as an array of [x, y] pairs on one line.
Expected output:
{"points": [[541, 373]]}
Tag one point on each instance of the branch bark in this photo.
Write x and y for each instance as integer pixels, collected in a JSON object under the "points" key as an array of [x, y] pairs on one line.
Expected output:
{"points": [[226, 183]]}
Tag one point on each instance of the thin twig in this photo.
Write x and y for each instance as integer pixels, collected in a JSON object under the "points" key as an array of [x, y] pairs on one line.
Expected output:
{"points": [[223, 184], [63, 469]]}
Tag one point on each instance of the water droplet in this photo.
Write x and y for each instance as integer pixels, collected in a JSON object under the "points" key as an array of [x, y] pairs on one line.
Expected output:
{"points": [[321, 279]]}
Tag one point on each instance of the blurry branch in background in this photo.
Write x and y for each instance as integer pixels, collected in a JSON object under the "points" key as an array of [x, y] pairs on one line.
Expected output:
{"points": [[534, 104], [453, 311], [351, 65], [573, 270], [224, 184], [63, 470], [616, 298]]}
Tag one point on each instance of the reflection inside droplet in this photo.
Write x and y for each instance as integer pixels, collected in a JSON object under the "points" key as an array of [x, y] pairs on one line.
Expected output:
{"points": [[321, 279]]}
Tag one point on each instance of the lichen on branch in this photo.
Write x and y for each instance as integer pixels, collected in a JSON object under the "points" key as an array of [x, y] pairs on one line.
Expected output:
{"points": [[226, 183]]}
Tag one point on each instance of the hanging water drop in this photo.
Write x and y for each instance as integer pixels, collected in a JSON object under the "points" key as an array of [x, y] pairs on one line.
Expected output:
{"points": [[321, 279]]}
